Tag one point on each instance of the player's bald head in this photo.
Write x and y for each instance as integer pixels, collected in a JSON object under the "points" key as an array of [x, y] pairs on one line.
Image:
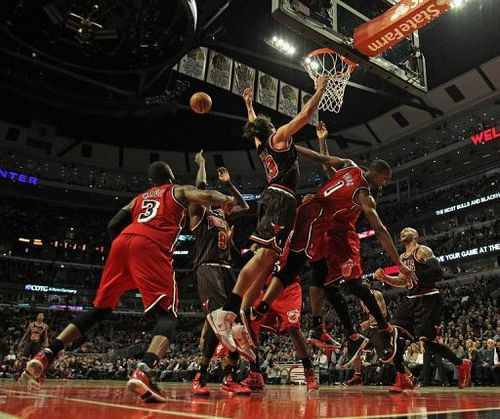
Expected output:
{"points": [[408, 234], [160, 173]]}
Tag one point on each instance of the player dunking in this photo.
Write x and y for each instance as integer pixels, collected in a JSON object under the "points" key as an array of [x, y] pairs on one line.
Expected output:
{"points": [[276, 210], [420, 314], [214, 275], [144, 235], [336, 206]]}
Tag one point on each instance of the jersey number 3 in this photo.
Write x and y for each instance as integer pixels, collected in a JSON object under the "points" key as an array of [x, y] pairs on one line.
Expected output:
{"points": [[222, 242], [151, 209]]}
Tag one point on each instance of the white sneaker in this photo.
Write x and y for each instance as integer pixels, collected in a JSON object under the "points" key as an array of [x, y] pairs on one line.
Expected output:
{"points": [[242, 342], [221, 322]]}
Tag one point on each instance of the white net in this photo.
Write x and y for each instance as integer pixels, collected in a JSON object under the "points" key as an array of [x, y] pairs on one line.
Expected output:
{"points": [[337, 69]]}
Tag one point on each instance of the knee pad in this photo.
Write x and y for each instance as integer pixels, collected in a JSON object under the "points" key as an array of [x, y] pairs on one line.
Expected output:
{"points": [[165, 326], [86, 320]]}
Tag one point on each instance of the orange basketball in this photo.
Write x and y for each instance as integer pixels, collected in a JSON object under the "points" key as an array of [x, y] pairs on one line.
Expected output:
{"points": [[200, 102]]}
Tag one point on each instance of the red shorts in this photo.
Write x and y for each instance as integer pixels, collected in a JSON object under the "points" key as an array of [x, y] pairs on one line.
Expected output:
{"points": [[285, 310], [135, 262], [343, 257], [309, 234]]}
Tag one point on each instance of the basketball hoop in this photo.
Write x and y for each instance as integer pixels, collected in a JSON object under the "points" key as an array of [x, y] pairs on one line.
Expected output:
{"points": [[337, 69]]}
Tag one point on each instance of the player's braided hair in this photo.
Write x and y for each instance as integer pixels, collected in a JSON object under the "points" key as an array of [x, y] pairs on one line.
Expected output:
{"points": [[260, 127]]}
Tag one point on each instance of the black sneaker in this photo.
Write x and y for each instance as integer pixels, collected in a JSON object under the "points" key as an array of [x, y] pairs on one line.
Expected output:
{"points": [[354, 347], [388, 339]]}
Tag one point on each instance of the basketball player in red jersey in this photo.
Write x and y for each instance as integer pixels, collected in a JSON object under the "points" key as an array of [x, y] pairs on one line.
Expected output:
{"points": [[276, 211], [144, 235], [337, 206], [421, 313]]}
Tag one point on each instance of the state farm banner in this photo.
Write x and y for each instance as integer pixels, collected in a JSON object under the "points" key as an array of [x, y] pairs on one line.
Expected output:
{"points": [[244, 76], [194, 63], [289, 99], [304, 98], [267, 90], [395, 24], [219, 70]]}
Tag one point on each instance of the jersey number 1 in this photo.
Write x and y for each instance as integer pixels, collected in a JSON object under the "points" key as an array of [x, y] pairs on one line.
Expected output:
{"points": [[151, 208]]}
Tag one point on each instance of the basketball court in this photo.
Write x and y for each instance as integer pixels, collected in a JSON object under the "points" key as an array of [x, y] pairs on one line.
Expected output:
{"points": [[91, 399]]}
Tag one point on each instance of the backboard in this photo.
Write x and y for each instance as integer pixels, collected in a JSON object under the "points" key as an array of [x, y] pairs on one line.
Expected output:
{"points": [[331, 23]]}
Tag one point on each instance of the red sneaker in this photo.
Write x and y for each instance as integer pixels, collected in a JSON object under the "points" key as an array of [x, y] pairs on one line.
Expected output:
{"points": [[231, 386], [398, 385], [464, 373], [311, 382], [356, 380], [142, 384], [199, 388], [254, 381], [320, 338], [34, 374]]}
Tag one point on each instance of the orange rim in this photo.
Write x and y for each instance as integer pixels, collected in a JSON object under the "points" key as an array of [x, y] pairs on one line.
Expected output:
{"points": [[352, 65]]}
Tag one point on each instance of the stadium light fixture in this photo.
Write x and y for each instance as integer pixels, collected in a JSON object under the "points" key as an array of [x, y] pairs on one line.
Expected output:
{"points": [[281, 45]]}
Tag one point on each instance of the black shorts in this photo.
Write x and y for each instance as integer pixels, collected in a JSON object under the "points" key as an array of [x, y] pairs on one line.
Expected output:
{"points": [[31, 349], [276, 218], [421, 316], [215, 284], [373, 334]]}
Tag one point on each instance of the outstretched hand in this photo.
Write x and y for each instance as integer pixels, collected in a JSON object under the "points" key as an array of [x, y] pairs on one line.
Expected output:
{"points": [[248, 96], [224, 176], [321, 131], [198, 158], [320, 83]]}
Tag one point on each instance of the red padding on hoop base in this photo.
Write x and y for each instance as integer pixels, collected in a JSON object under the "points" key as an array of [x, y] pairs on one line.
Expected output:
{"points": [[381, 33]]}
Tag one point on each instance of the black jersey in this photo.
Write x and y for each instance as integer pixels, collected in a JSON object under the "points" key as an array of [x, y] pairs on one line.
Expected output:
{"points": [[211, 239], [422, 286], [281, 166]]}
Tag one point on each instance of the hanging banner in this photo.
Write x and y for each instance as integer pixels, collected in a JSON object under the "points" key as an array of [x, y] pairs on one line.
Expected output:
{"points": [[304, 98], [267, 90], [193, 64], [244, 77], [289, 99], [219, 70]]}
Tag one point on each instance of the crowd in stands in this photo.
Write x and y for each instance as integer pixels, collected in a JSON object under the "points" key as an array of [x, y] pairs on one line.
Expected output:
{"points": [[471, 327]]}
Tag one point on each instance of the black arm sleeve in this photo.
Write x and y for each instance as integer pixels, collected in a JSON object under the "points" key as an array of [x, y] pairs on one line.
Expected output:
{"points": [[121, 219], [432, 270]]}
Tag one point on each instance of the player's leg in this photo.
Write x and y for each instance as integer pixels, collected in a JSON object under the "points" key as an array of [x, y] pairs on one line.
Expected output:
{"points": [[153, 275], [428, 311], [114, 282], [276, 216], [404, 318]]}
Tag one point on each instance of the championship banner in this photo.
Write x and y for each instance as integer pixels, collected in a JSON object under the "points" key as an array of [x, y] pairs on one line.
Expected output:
{"points": [[193, 64], [304, 98], [244, 77], [267, 90], [289, 99], [372, 38], [219, 70]]}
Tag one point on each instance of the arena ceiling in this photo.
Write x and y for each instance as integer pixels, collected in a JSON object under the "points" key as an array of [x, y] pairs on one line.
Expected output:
{"points": [[108, 89]]}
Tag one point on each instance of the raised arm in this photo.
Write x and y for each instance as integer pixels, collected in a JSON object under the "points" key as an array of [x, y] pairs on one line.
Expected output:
{"points": [[120, 220], [248, 98], [240, 204], [188, 194], [196, 211], [331, 161], [322, 134], [283, 135]]}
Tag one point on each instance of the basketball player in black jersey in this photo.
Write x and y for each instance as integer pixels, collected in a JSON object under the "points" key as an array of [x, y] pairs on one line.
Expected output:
{"points": [[276, 210], [214, 276], [420, 315]]}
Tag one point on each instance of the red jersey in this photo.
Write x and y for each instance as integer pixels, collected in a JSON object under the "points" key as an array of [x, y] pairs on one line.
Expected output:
{"points": [[157, 215], [336, 197]]}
